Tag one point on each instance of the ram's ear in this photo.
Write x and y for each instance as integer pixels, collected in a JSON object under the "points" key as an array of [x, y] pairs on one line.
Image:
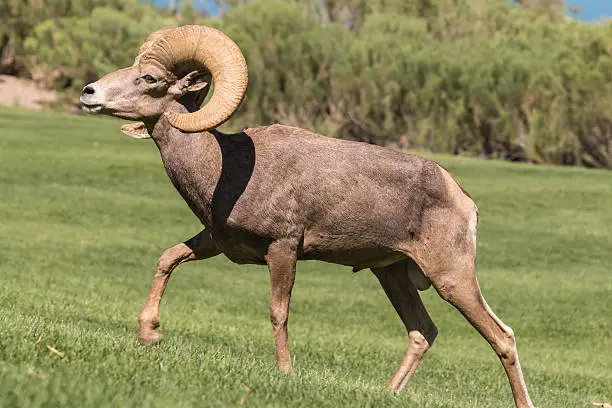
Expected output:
{"points": [[137, 130], [194, 81]]}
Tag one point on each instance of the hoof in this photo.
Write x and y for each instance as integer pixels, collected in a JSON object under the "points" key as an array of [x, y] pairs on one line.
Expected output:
{"points": [[394, 388], [285, 370], [150, 338]]}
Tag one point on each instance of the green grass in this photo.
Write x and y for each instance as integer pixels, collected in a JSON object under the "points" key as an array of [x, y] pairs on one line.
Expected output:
{"points": [[85, 212]]}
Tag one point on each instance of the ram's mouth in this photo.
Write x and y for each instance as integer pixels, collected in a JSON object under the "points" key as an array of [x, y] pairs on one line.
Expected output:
{"points": [[92, 108]]}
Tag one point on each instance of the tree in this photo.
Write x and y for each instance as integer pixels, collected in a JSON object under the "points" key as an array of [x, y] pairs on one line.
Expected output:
{"points": [[19, 17], [74, 50]]}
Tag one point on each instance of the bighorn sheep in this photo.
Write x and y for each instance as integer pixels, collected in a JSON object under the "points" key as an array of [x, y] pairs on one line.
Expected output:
{"points": [[278, 194]]}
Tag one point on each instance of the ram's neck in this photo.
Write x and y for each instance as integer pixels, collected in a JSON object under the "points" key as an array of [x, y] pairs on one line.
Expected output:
{"points": [[192, 161], [161, 131]]}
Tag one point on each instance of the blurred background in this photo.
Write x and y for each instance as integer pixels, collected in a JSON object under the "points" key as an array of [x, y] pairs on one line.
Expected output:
{"points": [[529, 81]]}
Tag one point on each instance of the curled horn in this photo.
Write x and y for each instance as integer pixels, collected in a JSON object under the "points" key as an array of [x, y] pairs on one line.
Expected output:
{"points": [[200, 47]]}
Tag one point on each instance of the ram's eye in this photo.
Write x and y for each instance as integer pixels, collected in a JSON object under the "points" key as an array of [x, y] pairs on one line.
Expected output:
{"points": [[149, 79]]}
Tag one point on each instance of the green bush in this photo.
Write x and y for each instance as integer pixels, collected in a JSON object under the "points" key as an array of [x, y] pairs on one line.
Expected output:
{"points": [[452, 76]]}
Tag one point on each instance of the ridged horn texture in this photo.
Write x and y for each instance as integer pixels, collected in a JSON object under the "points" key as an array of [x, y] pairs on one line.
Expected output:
{"points": [[200, 47]]}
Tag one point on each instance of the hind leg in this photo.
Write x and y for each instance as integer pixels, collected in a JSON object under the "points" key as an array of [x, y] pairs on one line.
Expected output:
{"points": [[458, 286], [421, 330]]}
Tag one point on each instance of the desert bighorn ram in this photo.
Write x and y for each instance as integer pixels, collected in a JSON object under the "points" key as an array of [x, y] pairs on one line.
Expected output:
{"points": [[277, 194]]}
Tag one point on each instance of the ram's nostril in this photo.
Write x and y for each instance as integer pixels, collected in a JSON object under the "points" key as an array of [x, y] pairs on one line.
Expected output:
{"points": [[88, 90]]}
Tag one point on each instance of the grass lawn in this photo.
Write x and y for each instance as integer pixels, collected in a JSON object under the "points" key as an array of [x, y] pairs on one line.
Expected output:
{"points": [[85, 211]]}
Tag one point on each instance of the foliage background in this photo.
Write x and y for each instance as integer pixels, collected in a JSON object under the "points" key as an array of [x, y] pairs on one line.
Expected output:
{"points": [[473, 77]]}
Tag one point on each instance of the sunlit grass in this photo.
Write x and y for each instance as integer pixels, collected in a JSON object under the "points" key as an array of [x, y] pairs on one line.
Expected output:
{"points": [[86, 211]]}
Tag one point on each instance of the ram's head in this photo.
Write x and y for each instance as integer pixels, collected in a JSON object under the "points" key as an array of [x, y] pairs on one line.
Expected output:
{"points": [[174, 64]]}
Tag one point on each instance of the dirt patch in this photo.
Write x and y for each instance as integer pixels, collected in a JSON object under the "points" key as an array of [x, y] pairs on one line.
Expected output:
{"points": [[23, 93]]}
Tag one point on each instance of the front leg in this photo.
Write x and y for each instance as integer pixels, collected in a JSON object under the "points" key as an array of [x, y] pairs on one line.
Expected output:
{"points": [[199, 247], [281, 259]]}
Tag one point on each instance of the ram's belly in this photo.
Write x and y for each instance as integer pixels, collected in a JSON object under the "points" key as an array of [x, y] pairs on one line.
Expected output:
{"points": [[356, 252]]}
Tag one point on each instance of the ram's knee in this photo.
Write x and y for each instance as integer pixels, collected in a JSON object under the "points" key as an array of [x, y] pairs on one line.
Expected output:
{"points": [[505, 347], [422, 341], [278, 317], [164, 264], [170, 258]]}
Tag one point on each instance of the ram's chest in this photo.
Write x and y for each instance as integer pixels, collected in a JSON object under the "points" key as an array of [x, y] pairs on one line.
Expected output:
{"points": [[236, 240], [228, 199]]}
